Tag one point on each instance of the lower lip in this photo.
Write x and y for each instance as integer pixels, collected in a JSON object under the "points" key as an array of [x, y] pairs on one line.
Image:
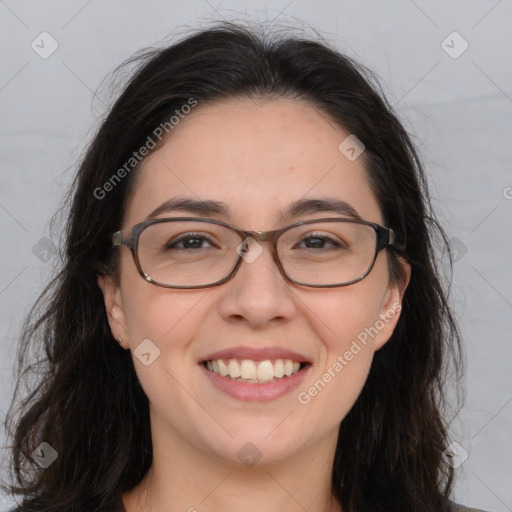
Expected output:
{"points": [[256, 392]]}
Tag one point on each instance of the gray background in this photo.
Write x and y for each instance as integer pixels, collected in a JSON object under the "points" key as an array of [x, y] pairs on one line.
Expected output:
{"points": [[458, 109]]}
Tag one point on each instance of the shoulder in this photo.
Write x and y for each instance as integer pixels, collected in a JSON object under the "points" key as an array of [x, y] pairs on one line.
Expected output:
{"points": [[117, 507], [463, 508]]}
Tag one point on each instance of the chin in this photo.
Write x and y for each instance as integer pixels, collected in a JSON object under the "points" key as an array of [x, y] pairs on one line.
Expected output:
{"points": [[263, 446]]}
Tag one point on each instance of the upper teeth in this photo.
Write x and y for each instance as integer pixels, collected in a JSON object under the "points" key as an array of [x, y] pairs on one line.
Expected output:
{"points": [[254, 371]]}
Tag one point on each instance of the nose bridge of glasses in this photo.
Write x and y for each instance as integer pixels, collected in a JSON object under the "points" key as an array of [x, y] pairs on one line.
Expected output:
{"points": [[254, 238], [260, 236]]}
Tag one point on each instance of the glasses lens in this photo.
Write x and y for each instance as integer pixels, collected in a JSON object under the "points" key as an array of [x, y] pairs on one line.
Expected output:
{"points": [[187, 253], [195, 253], [327, 253]]}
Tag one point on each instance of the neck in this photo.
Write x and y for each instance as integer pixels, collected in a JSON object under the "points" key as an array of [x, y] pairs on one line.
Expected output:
{"points": [[184, 477]]}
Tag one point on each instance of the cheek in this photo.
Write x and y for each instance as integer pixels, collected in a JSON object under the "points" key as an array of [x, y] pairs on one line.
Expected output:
{"points": [[346, 315], [345, 363], [168, 318], [349, 346], [361, 304], [338, 380], [155, 312], [347, 320]]}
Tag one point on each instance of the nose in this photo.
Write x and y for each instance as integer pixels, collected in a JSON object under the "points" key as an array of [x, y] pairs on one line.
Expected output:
{"points": [[258, 293]]}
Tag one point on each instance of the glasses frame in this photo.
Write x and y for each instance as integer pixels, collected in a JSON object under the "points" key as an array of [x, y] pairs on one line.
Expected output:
{"points": [[385, 237]]}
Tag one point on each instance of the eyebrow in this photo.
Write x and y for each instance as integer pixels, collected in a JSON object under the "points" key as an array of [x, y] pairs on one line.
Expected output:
{"points": [[210, 208]]}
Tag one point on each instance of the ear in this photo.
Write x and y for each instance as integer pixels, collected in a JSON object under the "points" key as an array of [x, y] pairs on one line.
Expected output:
{"points": [[114, 307], [391, 307]]}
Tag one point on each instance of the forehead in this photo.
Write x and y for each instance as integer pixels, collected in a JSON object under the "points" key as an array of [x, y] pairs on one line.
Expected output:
{"points": [[256, 156]]}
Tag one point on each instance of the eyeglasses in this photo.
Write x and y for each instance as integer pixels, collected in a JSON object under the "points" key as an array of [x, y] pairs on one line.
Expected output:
{"points": [[186, 252]]}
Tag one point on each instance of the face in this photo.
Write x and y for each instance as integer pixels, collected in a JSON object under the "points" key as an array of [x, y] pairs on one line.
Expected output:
{"points": [[257, 157]]}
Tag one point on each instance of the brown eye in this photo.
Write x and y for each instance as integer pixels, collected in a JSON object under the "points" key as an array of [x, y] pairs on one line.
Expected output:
{"points": [[189, 241]]}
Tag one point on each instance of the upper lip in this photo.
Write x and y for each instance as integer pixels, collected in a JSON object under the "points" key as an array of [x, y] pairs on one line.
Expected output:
{"points": [[256, 354]]}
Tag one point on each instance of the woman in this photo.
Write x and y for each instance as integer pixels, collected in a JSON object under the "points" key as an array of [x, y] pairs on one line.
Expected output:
{"points": [[250, 315]]}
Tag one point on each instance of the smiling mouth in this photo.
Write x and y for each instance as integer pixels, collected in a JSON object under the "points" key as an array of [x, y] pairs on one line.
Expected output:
{"points": [[254, 372]]}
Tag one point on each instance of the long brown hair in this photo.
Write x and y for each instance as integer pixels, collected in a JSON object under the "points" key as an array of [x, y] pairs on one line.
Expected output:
{"points": [[85, 399]]}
